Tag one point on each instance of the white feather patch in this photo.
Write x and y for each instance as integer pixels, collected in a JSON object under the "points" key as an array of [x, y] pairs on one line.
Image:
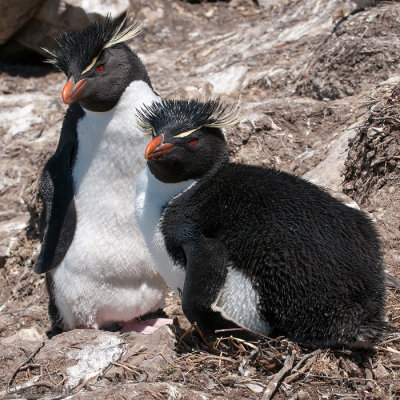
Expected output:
{"points": [[237, 301]]}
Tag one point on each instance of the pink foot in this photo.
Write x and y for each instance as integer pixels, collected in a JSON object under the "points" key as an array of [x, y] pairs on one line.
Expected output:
{"points": [[85, 327], [147, 327]]}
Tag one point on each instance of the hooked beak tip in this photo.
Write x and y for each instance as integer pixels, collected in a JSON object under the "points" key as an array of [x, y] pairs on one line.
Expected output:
{"points": [[71, 91], [157, 150], [152, 146]]}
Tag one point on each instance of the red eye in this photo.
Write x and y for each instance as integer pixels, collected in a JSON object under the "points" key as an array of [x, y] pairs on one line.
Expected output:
{"points": [[100, 68], [193, 142]]}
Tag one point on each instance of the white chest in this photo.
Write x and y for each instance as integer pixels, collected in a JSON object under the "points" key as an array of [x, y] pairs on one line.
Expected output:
{"points": [[110, 155], [151, 198]]}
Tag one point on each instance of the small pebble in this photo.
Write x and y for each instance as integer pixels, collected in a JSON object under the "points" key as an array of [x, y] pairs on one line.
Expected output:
{"points": [[302, 395]]}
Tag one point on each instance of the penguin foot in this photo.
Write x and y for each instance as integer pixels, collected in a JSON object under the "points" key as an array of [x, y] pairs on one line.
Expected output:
{"points": [[147, 327], [195, 326]]}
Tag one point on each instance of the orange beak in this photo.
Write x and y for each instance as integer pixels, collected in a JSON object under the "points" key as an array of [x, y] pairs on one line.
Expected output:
{"points": [[72, 91], [155, 150]]}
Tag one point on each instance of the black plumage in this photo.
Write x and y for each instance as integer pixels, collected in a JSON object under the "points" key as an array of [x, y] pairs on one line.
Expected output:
{"points": [[82, 46], [182, 116], [315, 263], [58, 217]]}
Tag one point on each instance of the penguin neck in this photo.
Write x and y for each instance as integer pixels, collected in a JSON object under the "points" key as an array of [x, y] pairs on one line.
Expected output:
{"points": [[99, 114], [221, 163], [136, 95], [162, 192]]}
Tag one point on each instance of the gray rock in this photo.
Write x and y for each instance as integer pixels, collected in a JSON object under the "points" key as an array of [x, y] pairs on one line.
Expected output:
{"points": [[14, 14], [366, 3], [329, 172], [58, 16], [85, 355]]}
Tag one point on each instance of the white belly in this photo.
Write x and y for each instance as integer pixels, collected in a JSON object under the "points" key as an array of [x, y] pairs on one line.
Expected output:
{"points": [[107, 274]]}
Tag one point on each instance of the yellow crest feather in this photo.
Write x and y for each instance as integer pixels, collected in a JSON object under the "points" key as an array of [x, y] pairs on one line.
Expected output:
{"points": [[124, 34], [121, 35]]}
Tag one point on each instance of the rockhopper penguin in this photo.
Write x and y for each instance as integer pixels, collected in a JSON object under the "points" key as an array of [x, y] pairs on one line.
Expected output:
{"points": [[249, 246], [98, 269]]}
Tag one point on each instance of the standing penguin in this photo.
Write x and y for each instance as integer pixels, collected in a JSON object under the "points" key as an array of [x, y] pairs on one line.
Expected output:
{"points": [[98, 268], [249, 246]]}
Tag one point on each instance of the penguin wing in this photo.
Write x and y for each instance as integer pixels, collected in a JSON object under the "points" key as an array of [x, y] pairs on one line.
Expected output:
{"points": [[58, 217], [216, 298], [206, 272]]}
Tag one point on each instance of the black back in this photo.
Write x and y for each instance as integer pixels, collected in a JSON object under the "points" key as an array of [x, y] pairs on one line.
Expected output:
{"points": [[316, 263], [58, 218]]}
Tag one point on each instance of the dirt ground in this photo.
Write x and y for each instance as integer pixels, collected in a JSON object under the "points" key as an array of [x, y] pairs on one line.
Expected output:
{"points": [[322, 105]]}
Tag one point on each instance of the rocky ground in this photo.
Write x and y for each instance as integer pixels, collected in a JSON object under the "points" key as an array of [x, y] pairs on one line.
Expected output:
{"points": [[322, 105]]}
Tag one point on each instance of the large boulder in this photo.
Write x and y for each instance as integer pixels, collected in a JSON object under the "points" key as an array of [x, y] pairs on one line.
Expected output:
{"points": [[14, 14], [56, 16], [364, 50]]}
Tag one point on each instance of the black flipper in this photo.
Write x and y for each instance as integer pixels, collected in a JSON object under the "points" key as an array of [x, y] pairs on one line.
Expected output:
{"points": [[56, 322], [206, 272], [58, 218]]}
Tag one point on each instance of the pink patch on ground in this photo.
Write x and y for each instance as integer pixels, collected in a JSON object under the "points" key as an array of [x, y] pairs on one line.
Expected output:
{"points": [[147, 327]]}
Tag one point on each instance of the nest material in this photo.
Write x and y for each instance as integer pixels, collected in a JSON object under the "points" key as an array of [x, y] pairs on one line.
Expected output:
{"points": [[374, 157]]}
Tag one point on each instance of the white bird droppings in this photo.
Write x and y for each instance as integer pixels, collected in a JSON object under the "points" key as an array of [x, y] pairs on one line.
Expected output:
{"points": [[92, 359]]}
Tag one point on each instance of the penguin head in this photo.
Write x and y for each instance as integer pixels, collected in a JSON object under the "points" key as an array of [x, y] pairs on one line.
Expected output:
{"points": [[98, 64], [187, 139]]}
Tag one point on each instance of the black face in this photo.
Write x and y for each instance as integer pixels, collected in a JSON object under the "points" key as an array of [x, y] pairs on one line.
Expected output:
{"points": [[187, 142], [99, 66], [191, 157], [112, 73]]}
